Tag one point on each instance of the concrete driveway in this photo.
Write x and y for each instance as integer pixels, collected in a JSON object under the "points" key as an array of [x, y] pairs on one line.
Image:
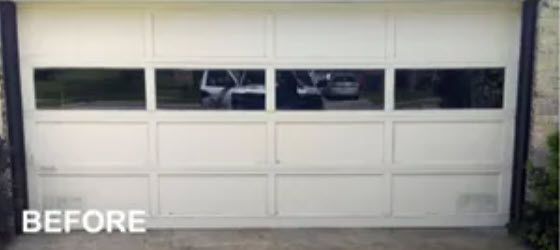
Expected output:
{"points": [[248, 239]]}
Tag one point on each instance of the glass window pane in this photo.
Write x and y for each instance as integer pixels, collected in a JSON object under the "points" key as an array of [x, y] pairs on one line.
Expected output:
{"points": [[329, 89], [89, 88], [449, 88], [217, 89]]}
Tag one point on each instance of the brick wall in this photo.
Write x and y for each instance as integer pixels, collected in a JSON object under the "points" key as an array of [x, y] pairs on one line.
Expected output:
{"points": [[546, 85]]}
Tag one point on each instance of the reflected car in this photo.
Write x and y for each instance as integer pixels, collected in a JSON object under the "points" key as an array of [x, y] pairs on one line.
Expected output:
{"points": [[342, 86], [293, 92], [246, 97], [232, 89], [213, 85]]}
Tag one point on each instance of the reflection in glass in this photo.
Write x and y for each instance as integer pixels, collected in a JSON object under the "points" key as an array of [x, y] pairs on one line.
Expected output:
{"points": [[210, 89], [448, 88], [329, 89], [89, 88]]}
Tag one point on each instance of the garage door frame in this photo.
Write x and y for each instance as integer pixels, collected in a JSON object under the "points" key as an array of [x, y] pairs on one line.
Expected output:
{"points": [[270, 75]]}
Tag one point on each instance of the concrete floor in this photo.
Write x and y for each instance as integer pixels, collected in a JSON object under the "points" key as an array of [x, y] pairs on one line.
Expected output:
{"points": [[316, 239]]}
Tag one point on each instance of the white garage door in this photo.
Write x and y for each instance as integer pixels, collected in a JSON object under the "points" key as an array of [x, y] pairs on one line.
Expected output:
{"points": [[363, 114]]}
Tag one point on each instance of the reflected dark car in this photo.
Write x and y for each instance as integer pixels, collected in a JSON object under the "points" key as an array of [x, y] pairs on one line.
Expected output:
{"points": [[248, 97], [294, 93]]}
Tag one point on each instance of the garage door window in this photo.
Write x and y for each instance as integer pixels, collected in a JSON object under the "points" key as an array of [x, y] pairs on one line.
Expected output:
{"points": [[89, 88], [329, 89], [215, 89], [449, 88]]}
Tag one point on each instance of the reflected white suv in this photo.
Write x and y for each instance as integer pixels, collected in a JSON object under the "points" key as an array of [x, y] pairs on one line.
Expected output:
{"points": [[232, 89]]}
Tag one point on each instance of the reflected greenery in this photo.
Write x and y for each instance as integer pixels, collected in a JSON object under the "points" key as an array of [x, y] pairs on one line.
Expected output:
{"points": [[449, 88], [89, 88]]}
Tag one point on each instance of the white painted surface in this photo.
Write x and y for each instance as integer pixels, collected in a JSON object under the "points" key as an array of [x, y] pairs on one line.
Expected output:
{"points": [[209, 34], [87, 33], [213, 195], [95, 192], [331, 144], [453, 142], [328, 34], [452, 36], [330, 195], [77, 145], [274, 169], [222, 144], [424, 195]]}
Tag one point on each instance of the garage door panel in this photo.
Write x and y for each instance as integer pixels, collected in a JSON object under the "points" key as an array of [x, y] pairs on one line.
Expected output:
{"points": [[449, 143], [213, 195], [424, 195], [453, 37], [197, 34], [330, 195], [362, 112], [321, 144], [98, 145], [216, 144], [86, 34], [95, 192], [330, 34]]}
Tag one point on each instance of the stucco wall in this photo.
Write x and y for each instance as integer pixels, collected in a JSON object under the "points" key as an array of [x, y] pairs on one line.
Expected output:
{"points": [[546, 85]]}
